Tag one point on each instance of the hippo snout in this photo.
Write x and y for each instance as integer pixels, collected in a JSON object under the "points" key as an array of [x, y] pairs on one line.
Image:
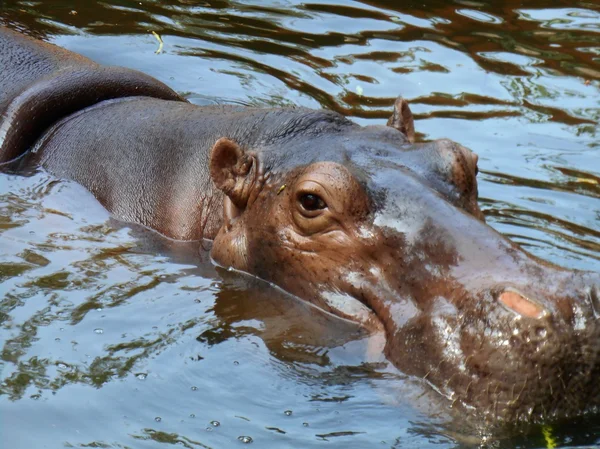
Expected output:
{"points": [[527, 357]]}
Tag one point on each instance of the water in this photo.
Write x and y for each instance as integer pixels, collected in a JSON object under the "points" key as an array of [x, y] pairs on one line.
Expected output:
{"points": [[113, 337]]}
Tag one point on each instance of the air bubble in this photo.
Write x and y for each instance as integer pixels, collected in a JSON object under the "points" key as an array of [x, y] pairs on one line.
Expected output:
{"points": [[35, 397], [236, 363], [194, 388], [99, 331], [305, 424], [215, 423], [288, 413], [245, 439], [192, 415], [158, 419], [62, 365], [141, 376], [209, 429]]}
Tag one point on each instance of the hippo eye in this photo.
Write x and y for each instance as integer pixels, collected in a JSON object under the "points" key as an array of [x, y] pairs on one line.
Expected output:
{"points": [[311, 202]]}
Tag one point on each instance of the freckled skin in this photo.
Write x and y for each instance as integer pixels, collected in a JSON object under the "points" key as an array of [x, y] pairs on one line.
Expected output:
{"points": [[360, 221]]}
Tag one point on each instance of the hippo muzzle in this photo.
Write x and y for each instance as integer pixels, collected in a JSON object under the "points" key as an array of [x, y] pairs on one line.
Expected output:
{"points": [[487, 324]]}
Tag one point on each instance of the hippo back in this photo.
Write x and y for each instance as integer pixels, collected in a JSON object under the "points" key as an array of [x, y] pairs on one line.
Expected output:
{"points": [[42, 83]]}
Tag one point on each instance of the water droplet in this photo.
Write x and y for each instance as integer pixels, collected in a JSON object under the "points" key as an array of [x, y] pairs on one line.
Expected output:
{"points": [[245, 439], [215, 423], [35, 397], [62, 329], [141, 376], [305, 424], [288, 413], [99, 309], [99, 331], [197, 301], [192, 415], [209, 429], [194, 388], [62, 365], [236, 363], [158, 419], [57, 339]]}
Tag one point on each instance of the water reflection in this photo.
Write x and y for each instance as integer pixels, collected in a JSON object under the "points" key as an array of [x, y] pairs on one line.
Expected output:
{"points": [[93, 312]]}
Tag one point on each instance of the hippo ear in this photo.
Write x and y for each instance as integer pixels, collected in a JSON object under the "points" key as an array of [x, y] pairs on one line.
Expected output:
{"points": [[230, 169], [402, 119]]}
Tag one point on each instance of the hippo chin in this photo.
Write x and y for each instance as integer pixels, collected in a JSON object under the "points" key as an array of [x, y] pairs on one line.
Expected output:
{"points": [[360, 221]]}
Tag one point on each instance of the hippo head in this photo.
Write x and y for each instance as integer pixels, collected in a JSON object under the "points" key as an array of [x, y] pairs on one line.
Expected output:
{"points": [[368, 225]]}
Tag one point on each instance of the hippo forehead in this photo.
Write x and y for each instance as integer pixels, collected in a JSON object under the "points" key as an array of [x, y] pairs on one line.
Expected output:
{"points": [[381, 159], [351, 143]]}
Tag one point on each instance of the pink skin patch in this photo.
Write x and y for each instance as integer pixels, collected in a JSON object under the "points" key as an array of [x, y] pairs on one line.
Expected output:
{"points": [[521, 305]]}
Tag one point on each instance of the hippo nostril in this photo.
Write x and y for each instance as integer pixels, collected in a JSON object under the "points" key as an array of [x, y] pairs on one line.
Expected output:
{"points": [[520, 304]]}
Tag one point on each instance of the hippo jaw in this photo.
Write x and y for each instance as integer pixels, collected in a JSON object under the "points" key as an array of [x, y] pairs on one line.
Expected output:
{"points": [[490, 327]]}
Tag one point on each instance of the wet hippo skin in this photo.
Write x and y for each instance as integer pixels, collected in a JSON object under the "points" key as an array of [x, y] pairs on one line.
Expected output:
{"points": [[360, 221]]}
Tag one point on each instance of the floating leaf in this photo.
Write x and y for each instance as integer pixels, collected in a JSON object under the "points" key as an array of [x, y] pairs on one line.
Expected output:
{"points": [[160, 42]]}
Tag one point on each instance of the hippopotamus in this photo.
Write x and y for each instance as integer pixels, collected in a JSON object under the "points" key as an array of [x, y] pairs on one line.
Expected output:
{"points": [[361, 221]]}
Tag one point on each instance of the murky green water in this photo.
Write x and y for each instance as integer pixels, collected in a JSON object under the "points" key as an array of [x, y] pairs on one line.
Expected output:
{"points": [[113, 337]]}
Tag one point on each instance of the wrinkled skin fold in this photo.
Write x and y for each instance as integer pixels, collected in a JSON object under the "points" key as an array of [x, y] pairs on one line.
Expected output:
{"points": [[361, 221]]}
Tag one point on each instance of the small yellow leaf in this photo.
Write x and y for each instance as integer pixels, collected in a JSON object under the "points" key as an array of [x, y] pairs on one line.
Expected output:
{"points": [[160, 42], [588, 180]]}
